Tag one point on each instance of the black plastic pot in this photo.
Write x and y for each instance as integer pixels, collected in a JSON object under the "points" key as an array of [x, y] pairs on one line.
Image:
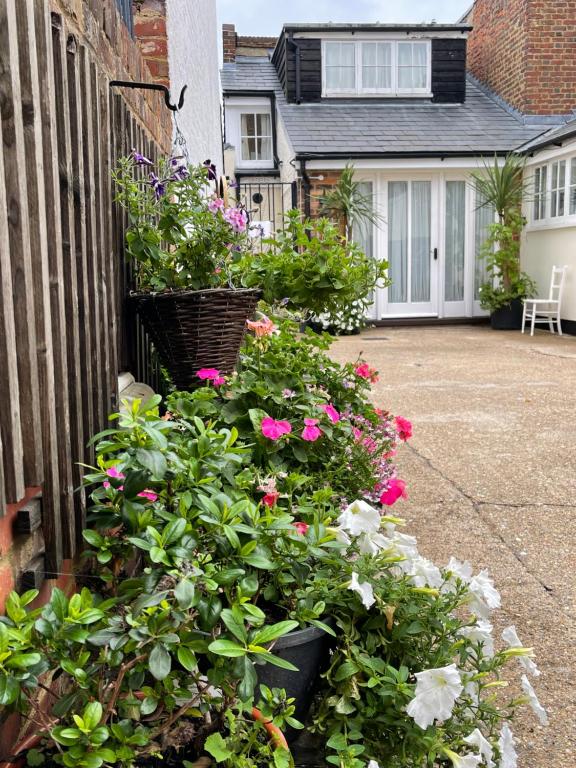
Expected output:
{"points": [[508, 318], [309, 650]]}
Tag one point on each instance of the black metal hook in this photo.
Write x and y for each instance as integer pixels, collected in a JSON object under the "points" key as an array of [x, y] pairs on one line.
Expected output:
{"points": [[153, 87]]}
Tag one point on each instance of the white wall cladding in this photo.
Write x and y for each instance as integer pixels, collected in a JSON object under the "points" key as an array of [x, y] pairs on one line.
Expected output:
{"points": [[193, 61]]}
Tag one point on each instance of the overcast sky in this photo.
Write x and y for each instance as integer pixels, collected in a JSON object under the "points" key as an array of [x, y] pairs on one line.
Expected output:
{"points": [[265, 17]]}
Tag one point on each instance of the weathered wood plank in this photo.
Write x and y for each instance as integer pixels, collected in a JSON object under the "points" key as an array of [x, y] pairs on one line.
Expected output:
{"points": [[30, 91], [52, 525], [19, 242], [71, 280]]}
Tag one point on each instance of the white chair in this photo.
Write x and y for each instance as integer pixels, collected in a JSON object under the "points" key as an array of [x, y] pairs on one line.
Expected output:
{"points": [[546, 310]]}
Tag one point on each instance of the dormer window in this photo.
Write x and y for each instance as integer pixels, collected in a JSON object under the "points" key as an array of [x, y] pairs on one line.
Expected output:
{"points": [[376, 67]]}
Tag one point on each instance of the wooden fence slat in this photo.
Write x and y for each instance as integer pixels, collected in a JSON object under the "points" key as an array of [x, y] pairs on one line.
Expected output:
{"points": [[19, 242], [10, 429], [52, 525], [30, 92], [71, 281]]}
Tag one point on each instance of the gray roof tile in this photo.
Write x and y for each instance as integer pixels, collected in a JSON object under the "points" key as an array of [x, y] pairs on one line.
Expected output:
{"points": [[351, 127]]}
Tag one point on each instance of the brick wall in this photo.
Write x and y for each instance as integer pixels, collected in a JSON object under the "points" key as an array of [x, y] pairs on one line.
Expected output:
{"points": [[150, 29], [229, 42], [525, 50], [319, 186], [244, 45]]}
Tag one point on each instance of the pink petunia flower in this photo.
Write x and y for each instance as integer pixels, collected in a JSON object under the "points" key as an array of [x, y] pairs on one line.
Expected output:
{"points": [[311, 432], [357, 433], [148, 494], [271, 498], [216, 205], [264, 327], [396, 490], [331, 412], [114, 472], [219, 381], [365, 371], [273, 429], [301, 528], [237, 219], [404, 428], [208, 374]]}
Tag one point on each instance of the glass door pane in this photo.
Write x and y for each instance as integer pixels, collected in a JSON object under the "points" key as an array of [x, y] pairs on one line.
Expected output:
{"points": [[420, 245], [484, 217], [455, 227], [398, 240]]}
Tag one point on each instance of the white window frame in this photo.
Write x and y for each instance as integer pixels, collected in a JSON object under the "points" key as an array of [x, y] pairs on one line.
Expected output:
{"points": [[235, 107], [571, 185], [262, 162], [557, 190], [394, 90], [542, 209]]}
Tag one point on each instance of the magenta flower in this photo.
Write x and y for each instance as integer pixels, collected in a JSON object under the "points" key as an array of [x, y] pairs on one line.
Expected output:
{"points": [[216, 205], [404, 428], [273, 429], [218, 381], [148, 494], [311, 432], [208, 374], [301, 528], [331, 412], [114, 472], [365, 371], [396, 490], [271, 498]]}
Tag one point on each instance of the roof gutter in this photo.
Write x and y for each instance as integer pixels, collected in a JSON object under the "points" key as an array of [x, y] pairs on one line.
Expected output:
{"points": [[306, 186], [553, 141], [418, 28], [377, 155], [296, 46]]}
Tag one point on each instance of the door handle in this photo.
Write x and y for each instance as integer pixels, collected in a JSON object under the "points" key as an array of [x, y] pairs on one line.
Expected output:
{"points": [[435, 252]]}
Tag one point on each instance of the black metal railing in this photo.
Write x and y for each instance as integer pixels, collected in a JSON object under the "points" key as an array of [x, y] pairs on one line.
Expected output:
{"points": [[127, 13], [267, 202]]}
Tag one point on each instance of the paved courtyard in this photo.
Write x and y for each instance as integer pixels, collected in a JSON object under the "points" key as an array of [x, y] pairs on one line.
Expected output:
{"points": [[491, 476]]}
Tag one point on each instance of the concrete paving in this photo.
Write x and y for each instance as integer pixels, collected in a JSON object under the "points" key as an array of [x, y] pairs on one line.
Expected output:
{"points": [[491, 477]]}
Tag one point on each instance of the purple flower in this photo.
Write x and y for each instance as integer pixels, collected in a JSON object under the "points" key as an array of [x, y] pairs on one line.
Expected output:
{"points": [[211, 168], [159, 186], [140, 159]]}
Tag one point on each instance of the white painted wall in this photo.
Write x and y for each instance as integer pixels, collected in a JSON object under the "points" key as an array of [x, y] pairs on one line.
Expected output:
{"points": [[193, 60]]}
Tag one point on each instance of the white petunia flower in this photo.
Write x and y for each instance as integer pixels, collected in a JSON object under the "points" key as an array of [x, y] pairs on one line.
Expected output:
{"points": [[477, 739], [424, 573], [341, 536], [484, 596], [510, 637], [373, 764], [359, 517], [462, 570], [463, 761], [539, 710], [481, 633], [436, 693], [364, 589], [372, 543], [508, 756]]}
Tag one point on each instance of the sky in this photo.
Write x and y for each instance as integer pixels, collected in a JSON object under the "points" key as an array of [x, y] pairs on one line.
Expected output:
{"points": [[265, 17]]}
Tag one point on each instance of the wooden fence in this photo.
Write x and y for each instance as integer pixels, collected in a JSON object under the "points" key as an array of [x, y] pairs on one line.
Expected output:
{"points": [[63, 333]]}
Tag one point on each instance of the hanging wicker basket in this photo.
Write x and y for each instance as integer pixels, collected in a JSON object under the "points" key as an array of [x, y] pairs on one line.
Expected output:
{"points": [[196, 329]]}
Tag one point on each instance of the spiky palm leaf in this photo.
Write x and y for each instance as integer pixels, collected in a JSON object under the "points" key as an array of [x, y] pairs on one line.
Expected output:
{"points": [[347, 205], [501, 185]]}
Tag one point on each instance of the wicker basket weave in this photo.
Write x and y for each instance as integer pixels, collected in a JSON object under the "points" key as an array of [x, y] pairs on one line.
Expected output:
{"points": [[196, 329]]}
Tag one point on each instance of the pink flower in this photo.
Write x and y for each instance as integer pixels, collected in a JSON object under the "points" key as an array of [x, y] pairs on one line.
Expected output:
{"points": [[237, 219], [331, 412], [357, 433], [404, 428], [264, 327], [311, 432], [366, 372], [216, 205], [114, 472], [396, 490], [288, 393], [207, 374], [148, 494], [271, 498], [218, 381], [273, 429], [301, 528]]}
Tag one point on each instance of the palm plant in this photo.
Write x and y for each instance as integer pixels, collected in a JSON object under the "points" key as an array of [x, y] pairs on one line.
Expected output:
{"points": [[348, 205]]}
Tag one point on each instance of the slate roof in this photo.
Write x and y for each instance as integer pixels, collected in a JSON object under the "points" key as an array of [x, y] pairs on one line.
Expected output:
{"points": [[552, 136], [399, 127]]}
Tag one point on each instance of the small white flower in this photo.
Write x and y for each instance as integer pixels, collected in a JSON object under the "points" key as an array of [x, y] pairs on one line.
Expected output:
{"points": [[406, 545], [508, 756], [539, 710], [481, 633], [436, 693], [372, 543], [463, 761], [359, 517], [510, 637], [457, 569], [424, 573], [476, 739], [484, 597], [341, 536], [364, 589], [373, 764]]}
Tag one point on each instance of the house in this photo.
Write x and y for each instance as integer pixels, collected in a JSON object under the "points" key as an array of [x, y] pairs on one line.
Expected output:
{"points": [[397, 102]]}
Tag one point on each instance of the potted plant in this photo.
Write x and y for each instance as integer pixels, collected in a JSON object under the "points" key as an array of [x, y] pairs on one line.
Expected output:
{"points": [[181, 241], [501, 187]]}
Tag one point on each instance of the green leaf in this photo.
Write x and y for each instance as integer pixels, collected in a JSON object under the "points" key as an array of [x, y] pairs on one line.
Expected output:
{"points": [[273, 632], [187, 658], [345, 670], [154, 461], [9, 689], [149, 705], [159, 662], [277, 661], [227, 648], [216, 746], [92, 715], [184, 594], [235, 626]]}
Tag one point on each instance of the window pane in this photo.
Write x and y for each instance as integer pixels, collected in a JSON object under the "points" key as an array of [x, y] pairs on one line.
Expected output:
{"points": [[419, 77], [420, 225], [264, 149], [264, 125], [572, 208], [484, 217], [419, 54], [377, 66], [247, 125], [455, 240], [249, 149], [536, 211], [369, 54], [332, 52], [398, 240], [405, 54]]}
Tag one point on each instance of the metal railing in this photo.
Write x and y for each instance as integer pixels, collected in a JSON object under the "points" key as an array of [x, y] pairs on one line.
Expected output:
{"points": [[127, 13]]}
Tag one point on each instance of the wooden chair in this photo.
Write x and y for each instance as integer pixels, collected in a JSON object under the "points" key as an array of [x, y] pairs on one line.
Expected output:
{"points": [[546, 310]]}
